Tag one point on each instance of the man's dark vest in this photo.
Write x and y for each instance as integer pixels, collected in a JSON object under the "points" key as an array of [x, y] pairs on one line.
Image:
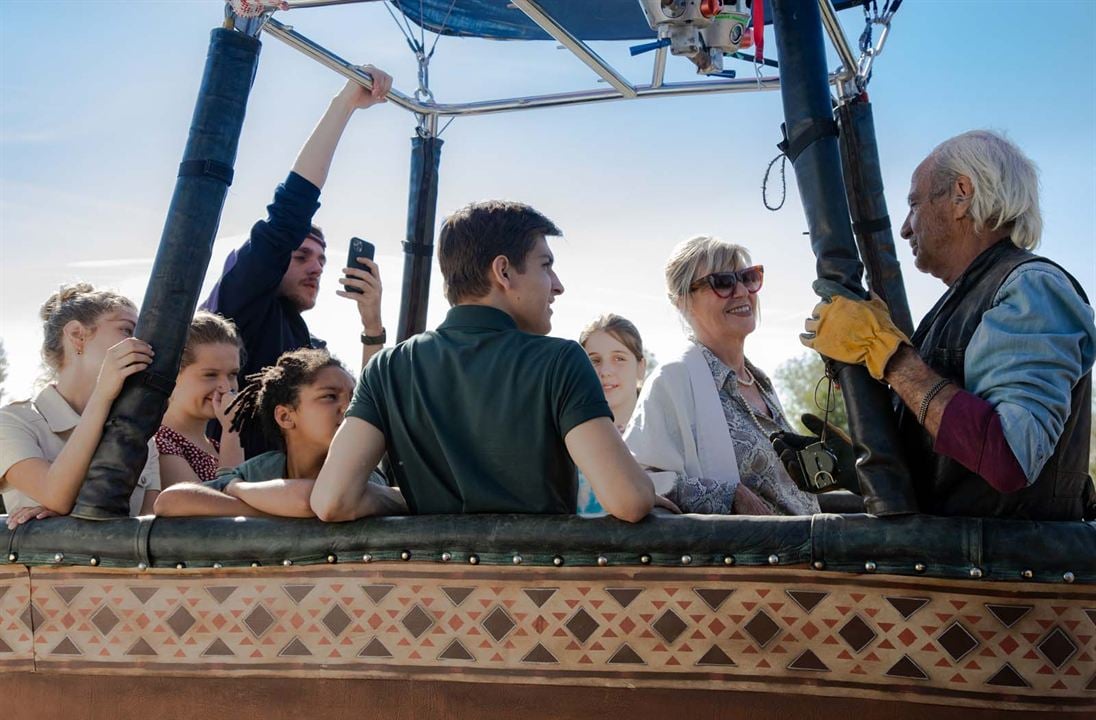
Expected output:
{"points": [[944, 486]]}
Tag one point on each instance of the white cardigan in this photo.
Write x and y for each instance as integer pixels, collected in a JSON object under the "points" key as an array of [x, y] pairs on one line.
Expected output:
{"points": [[678, 426]]}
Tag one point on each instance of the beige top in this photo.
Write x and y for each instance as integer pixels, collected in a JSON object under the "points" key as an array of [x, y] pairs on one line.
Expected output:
{"points": [[39, 428]]}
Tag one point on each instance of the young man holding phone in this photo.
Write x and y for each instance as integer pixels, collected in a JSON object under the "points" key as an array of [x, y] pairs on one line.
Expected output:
{"points": [[486, 413], [275, 275]]}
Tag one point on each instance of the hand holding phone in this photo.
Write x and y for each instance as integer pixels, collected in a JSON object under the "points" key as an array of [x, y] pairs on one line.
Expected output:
{"points": [[359, 248]]}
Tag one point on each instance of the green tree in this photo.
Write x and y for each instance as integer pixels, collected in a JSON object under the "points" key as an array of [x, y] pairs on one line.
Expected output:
{"points": [[795, 382], [652, 363]]}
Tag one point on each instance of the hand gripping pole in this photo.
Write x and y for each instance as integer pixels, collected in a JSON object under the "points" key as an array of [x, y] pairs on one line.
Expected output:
{"points": [[884, 478], [177, 274]]}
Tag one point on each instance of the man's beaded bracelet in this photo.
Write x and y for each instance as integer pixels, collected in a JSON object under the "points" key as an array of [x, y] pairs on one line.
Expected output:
{"points": [[940, 385]]}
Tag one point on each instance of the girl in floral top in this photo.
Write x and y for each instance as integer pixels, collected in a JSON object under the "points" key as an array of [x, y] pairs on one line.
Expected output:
{"points": [[206, 384], [298, 403]]}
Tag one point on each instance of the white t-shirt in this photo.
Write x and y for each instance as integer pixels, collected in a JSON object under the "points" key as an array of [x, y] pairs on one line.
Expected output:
{"points": [[39, 428]]}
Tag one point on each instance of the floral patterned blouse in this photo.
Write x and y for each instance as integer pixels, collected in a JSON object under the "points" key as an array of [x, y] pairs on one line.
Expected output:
{"points": [[758, 464], [204, 465]]}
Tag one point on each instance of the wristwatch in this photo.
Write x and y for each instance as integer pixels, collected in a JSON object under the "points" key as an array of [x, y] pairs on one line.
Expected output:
{"points": [[375, 339]]}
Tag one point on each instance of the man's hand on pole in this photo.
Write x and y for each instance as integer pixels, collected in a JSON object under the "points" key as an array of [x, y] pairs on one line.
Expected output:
{"points": [[853, 331]]}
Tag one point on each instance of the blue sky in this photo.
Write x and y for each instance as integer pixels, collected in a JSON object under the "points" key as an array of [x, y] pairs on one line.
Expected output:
{"points": [[96, 98]]}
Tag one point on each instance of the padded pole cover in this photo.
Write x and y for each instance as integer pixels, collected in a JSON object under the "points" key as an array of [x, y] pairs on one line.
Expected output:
{"points": [[177, 274], [870, 222], [804, 88], [422, 205]]}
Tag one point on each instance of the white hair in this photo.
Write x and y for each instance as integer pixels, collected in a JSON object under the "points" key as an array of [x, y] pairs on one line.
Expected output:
{"points": [[1005, 181]]}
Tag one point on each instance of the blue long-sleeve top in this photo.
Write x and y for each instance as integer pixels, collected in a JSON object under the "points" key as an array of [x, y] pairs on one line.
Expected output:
{"points": [[247, 292], [1029, 351]]}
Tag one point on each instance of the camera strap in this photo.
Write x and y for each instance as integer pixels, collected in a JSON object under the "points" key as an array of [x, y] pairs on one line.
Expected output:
{"points": [[817, 461], [829, 405]]}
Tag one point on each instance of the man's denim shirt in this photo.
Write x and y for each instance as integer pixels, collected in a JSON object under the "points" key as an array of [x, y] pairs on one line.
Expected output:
{"points": [[1031, 348]]}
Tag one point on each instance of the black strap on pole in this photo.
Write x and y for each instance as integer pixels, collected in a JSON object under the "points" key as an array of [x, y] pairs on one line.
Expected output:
{"points": [[804, 88], [808, 133], [177, 274], [422, 205], [868, 206], [206, 168]]}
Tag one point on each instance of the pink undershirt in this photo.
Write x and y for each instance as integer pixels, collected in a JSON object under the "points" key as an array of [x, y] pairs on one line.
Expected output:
{"points": [[971, 434]]}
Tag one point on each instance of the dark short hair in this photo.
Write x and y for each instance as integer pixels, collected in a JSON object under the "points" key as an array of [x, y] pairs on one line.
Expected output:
{"points": [[472, 237], [316, 233]]}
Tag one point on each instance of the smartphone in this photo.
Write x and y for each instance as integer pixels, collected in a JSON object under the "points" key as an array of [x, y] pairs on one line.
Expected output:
{"points": [[359, 248]]}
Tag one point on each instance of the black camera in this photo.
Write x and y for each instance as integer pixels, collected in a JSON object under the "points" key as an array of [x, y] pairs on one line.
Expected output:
{"points": [[819, 467]]}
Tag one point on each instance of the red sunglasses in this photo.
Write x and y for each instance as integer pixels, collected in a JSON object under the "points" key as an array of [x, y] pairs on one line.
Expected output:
{"points": [[723, 284]]}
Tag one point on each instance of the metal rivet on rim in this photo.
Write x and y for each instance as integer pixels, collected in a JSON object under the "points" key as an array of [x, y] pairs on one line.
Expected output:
{"points": [[446, 556], [367, 558], [58, 557], [686, 559], [976, 573], [819, 565], [1027, 574], [94, 561], [473, 559], [12, 557], [645, 559], [256, 564], [869, 566], [774, 559], [142, 566], [1068, 577], [517, 559], [180, 565], [557, 561], [919, 567], [405, 555], [728, 559], [331, 558], [217, 566], [602, 560], [287, 562]]}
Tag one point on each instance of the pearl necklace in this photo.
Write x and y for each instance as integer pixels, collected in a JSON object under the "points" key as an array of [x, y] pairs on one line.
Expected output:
{"points": [[750, 408], [745, 383]]}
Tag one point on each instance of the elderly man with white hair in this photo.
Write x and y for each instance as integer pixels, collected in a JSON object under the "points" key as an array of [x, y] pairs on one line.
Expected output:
{"points": [[995, 384]]}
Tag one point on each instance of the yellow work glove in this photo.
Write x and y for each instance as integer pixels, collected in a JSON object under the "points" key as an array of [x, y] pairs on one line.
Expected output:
{"points": [[857, 332]]}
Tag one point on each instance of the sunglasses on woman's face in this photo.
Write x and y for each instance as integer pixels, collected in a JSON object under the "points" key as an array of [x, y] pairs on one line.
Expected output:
{"points": [[723, 284]]}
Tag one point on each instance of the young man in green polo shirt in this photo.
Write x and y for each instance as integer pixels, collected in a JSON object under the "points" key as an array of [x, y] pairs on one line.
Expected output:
{"points": [[486, 413]]}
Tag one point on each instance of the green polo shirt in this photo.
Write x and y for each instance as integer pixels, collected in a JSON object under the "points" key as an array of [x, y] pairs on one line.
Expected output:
{"points": [[474, 414]]}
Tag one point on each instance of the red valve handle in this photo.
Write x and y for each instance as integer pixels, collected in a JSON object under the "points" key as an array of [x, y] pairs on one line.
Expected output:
{"points": [[759, 30], [710, 8]]}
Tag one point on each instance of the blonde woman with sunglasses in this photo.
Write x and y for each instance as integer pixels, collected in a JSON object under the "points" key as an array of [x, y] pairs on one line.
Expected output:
{"points": [[703, 421]]}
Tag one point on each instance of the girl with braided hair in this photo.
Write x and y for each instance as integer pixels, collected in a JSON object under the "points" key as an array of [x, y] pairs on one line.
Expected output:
{"points": [[298, 403]]}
